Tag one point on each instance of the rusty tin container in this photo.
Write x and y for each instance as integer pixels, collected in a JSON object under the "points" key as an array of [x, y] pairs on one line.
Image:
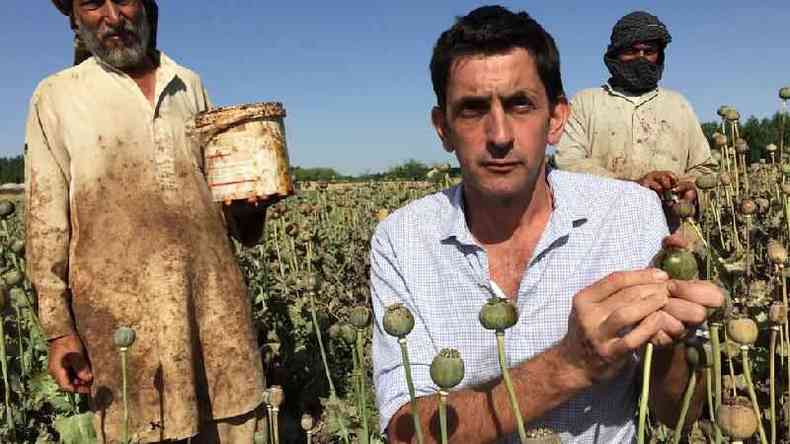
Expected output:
{"points": [[245, 152]]}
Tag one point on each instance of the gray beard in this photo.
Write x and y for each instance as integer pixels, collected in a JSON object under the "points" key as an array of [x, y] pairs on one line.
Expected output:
{"points": [[123, 57]]}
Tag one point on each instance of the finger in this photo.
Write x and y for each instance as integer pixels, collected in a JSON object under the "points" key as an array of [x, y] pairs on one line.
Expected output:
{"points": [[61, 377], [674, 240], [80, 367], [653, 185], [614, 282], [628, 315], [82, 388], [684, 311], [661, 339], [671, 326], [666, 181], [641, 334], [635, 294], [703, 293]]}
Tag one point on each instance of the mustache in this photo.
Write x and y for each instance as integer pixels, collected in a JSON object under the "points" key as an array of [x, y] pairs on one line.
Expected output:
{"points": [[124, 28]]}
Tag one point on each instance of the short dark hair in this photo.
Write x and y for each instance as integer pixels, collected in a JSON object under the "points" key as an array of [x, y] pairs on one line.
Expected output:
{"points": [[490, 30]]}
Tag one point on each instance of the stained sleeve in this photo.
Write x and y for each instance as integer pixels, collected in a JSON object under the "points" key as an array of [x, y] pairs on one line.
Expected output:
{"points": [[700, 161], [574, 151], [389, 286], [47, 226]]}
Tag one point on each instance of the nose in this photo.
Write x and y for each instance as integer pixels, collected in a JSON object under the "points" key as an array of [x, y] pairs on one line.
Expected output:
{"points": [[111, 14], [499, 132]]}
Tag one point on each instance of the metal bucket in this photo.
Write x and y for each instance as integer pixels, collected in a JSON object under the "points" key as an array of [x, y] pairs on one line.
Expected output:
{"points": [[245, 152]]}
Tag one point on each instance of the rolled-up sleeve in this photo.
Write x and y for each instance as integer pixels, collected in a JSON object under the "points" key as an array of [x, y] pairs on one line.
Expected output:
{"points": [[700, 161], [47, 227], [389, 286]]}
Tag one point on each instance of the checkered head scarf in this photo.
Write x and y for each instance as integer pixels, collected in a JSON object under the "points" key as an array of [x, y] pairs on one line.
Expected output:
{"points": [[639, 75], [81, 52]]}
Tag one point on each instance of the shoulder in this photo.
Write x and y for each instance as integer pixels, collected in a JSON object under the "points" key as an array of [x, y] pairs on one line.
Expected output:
{"points": [[419, 218], [674, 97], [602, 196], [61, 82], [589, 95], [188, 75]]}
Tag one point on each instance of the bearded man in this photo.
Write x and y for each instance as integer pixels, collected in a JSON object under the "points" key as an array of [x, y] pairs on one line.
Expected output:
{"points": [[122, 231], [630, 128]]}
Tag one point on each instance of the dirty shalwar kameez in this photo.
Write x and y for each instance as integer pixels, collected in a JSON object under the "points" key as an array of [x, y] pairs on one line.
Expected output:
{"points": [[122, 231], [613, 134]]}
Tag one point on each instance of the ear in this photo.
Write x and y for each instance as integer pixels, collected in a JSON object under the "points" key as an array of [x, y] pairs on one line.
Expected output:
{"points": [[557, 119], [439, 119]]}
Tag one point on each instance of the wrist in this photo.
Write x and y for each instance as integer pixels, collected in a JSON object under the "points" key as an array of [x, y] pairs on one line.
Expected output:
{"points": [[572, 373]]}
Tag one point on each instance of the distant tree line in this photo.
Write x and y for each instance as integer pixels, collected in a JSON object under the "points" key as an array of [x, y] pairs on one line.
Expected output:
{"points": [[758, 133], [12, 169]]}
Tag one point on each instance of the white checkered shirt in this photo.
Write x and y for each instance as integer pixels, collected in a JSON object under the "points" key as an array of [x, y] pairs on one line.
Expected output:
{"points": [[424, 256]]}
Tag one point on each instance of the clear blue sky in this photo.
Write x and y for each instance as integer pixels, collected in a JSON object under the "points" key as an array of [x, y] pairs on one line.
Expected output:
{"points": [[353, 75]]}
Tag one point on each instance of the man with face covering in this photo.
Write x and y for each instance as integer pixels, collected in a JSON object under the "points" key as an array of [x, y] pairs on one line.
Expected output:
{"points": [[630, 128], [122, 232]]}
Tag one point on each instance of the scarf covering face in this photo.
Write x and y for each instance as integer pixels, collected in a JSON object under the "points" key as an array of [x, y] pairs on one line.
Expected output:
{"points": [[638, 75], [81, 53]]}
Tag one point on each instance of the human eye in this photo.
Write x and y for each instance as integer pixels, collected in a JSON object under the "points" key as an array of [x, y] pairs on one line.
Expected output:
{"points": [[520, 104], [472, 108]]}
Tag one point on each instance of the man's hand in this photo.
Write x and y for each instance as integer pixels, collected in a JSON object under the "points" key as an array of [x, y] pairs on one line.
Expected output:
{"points": [[616, 316], [68, 364], [686, 190], [659, 181], [689, 300]]}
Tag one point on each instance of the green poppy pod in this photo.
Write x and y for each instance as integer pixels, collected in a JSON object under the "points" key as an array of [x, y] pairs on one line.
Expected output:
{"points": [[742, 330], [124, 337], [720, 140], [278, 396], [696, 356], [498, 314], [348, 334], [722, 111], [732, 115], [684, 209], [771, 148], [741, 147], [6, 208], [736, 420], [777, 253], [307, 422], [777, 313], [784, 93], [447, 368], [707, 181], [679, 264], [398, 321], [359, 317], [748, 207]]}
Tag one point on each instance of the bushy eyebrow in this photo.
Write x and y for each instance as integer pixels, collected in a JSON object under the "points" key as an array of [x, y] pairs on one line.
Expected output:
{"points": [[477, 102]]}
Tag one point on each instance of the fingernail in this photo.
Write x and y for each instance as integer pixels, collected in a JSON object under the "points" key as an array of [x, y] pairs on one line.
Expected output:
{"points": [[660, 275]]}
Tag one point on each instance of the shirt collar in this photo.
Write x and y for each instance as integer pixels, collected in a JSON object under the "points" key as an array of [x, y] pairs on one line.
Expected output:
{"points": [[567, 213], [636, 99]]}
